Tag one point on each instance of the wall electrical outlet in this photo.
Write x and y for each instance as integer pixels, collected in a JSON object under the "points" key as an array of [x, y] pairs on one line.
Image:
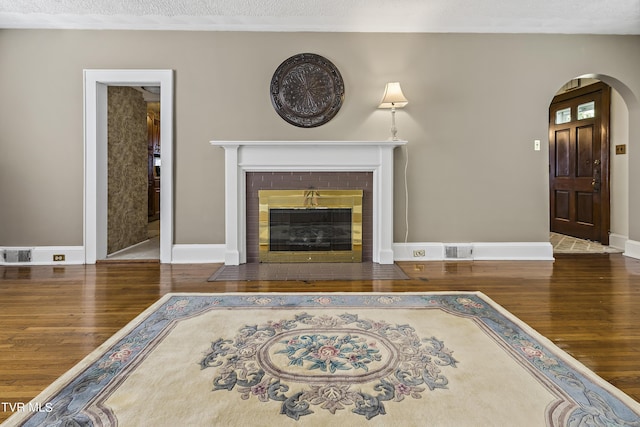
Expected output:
{"points": [[418, 253], [59, 257]]}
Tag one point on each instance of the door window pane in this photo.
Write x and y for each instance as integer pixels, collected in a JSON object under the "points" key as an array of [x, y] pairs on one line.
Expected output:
{"points": [[587, 111], [563, 116]]}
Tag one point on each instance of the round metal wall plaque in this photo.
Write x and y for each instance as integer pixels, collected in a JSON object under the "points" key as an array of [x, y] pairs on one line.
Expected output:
{"points": [[307, 90]]}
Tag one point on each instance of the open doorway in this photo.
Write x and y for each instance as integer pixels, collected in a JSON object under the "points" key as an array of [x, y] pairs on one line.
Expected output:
{"points": [[579, 159], [586, 171], [97, 83], [134, 162]]}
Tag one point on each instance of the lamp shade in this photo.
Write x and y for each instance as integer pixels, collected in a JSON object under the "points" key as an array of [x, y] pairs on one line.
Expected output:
{"points": [[393, 97]]}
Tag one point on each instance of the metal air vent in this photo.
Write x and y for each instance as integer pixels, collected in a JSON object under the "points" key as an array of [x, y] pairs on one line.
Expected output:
{"points": [[17, 255], [458, 251]]}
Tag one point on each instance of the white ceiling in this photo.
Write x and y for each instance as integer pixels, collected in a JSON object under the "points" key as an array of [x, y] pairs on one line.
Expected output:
{"points": [[461, 16]]}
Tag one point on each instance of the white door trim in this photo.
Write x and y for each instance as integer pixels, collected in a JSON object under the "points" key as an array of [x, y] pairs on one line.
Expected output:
{"points": [[95, 155]]}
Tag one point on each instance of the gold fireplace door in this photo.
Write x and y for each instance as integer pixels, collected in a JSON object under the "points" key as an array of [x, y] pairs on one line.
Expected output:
{"points": [[311, 241]]}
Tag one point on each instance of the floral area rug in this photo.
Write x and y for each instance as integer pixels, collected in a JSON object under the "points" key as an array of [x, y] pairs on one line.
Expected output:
{"points": [[443, 359]]}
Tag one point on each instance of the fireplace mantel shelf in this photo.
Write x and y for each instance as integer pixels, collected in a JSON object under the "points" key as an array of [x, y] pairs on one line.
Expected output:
{"points": [[327, 156], [274, 143]]}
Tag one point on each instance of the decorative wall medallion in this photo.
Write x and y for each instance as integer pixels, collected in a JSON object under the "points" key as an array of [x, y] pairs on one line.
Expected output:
{"points": [[307, 90]]}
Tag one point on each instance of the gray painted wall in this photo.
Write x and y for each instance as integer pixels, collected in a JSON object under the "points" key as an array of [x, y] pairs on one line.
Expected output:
{"points": [[477, 103]]}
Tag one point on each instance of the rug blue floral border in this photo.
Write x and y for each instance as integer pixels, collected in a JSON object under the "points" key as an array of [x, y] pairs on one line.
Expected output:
{"points": [[595, 405]]}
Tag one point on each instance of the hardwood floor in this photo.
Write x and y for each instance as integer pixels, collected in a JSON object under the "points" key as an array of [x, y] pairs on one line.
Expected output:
{"points": [[51, 317]]}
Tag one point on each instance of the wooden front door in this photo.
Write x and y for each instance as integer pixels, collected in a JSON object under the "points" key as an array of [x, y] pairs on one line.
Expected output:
{"points": [[579, 163]]}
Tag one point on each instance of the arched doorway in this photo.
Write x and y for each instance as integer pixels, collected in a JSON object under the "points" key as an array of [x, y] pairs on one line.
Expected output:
{"points": [[624, 107], [579, 190]]}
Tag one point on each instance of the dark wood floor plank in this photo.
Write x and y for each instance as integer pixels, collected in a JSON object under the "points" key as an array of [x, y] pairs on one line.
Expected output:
{"points": [[52, 317]]}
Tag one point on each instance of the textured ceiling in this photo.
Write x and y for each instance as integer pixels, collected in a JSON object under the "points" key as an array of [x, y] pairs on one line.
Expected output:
{"points": [[466, 16]]}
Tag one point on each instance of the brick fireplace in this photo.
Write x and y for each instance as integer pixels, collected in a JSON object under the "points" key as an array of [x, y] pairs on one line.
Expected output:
{"points": [[254, 165], [320, 181]]}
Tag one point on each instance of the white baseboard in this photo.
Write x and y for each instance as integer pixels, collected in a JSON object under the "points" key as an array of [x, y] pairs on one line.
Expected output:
{"points": [[43, 255], [632, 249], [401, 252], [181, 254], [527, 251], [215, 253], [501, 251], [617, 241], [198, 254]]}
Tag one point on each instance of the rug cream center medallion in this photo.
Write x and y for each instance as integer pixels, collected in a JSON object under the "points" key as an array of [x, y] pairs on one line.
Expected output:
{"points": [[307, 359]]}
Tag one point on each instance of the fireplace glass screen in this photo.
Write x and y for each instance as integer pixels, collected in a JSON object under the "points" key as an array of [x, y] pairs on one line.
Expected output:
{"points": [[310, 229], [310, 225]]}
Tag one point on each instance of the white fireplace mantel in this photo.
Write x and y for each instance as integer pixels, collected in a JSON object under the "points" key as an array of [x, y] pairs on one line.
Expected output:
{"points": [[301, 156]]}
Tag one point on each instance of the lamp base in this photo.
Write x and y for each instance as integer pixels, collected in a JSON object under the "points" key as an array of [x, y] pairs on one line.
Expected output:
{"points": [[394, 129]]}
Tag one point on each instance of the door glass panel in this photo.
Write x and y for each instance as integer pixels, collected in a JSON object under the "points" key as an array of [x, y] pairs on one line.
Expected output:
{"points": [[587, 111], [563, 116]]}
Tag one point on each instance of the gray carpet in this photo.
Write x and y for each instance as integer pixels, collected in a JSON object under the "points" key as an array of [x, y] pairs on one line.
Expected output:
{"points": [[308, 272]]}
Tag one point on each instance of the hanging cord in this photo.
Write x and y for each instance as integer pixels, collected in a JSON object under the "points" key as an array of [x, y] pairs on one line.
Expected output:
{"points": [[406, 194]]}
